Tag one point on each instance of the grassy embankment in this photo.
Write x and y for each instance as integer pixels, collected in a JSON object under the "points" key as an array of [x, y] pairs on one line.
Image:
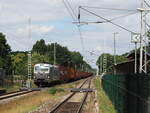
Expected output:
{"points": [[28, 103], [105, 105]]}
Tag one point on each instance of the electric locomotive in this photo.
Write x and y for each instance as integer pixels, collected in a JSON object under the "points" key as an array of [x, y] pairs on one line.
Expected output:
{"points": [[45, 74]]}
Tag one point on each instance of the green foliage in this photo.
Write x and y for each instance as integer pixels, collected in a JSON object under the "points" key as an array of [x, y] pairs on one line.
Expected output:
{"points": [[110, 60], [53, 91], [76, 59], [36, 58], [42, 53], [148, 34], [40, 47], [45, 53], [62, 54], [19, 63], [5, 54]]}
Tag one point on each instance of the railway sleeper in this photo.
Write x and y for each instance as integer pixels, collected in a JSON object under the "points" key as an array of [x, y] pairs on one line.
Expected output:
{"points": [[69, 107]]}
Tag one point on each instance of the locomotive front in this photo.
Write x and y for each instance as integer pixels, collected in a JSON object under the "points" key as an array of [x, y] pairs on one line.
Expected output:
{"points": [[42, 74]]}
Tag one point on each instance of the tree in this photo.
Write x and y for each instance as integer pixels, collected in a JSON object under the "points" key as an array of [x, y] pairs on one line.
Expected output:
{"points": [[110, 61], [45, 53], [76, 59], [62, 54], [40, 47], [5, 54], [37, 58], [19, 63]]}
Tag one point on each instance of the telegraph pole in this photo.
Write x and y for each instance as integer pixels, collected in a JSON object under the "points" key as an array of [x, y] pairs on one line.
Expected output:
{"points": [[29, 56], [101, 68], [135, 65], [54, 53], [115, 48]]}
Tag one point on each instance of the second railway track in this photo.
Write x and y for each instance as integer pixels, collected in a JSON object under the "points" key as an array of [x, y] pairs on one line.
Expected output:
{"points": [[67, 106], [14, 94]]}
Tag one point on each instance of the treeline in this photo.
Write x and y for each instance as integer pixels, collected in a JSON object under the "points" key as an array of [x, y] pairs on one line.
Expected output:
{"points": [[45, 53], [16, 63], [109, 61]]}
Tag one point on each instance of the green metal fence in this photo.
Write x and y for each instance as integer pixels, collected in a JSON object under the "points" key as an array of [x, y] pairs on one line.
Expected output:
{"points": [[128, 93]]}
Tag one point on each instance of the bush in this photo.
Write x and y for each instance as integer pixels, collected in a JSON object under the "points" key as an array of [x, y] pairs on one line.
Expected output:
{"points": [[53, 91]]}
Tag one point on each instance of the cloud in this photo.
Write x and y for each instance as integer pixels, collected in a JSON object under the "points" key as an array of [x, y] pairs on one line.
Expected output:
{"points": [[36, 29], [50, 17]]}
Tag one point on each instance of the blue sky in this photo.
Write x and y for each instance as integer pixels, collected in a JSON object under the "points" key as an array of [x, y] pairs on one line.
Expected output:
{"points": [[51, 21]]}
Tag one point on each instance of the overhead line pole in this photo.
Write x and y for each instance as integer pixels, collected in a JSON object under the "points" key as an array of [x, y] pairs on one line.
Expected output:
{"points": [[145, 48], [115, 48], [54, 53], [141, 39], [29, 56]]}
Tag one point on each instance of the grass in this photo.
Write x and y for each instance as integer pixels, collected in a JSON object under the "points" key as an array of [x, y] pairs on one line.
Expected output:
{"points": [[105, 105], [25, 104], [16, 86], [32, 101]]}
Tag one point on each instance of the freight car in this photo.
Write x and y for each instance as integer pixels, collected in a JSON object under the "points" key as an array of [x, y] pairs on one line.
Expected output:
{"points": [[2, 76], [45, 74]]}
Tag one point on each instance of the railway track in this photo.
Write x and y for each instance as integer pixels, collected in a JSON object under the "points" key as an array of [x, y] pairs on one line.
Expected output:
{"points": [[67, 106], [14, 94]]}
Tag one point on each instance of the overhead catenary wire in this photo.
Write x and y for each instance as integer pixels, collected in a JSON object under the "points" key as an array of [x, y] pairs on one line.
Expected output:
{"points": [[147, 24], [147, 3], [71, 8], [98, 22], [107, 20], [81, 38], [122, 16], [116, 9], [74, 17]]}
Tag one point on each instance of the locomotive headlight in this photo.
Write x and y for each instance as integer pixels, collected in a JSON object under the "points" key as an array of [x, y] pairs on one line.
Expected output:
{"points": [[48, 77]]}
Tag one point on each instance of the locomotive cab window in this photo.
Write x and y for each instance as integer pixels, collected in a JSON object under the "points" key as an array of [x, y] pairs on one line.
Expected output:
{"points": [[44, 69], [37, 69]]}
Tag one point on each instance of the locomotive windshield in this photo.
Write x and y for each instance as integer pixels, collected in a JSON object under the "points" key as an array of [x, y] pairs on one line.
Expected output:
{"points": [[44, 69], [39, 69]]}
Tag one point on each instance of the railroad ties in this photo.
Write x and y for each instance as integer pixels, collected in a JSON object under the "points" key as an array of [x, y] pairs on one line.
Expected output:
{"points": [[72, 106], [69, 107]]}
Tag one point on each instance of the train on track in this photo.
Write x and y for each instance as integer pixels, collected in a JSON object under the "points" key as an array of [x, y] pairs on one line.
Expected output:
{"points": [[46, 74], [2, 76]]}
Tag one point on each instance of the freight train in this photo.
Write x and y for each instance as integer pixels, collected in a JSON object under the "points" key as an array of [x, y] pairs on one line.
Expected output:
{"points": [[2, 76], [45, 74]]}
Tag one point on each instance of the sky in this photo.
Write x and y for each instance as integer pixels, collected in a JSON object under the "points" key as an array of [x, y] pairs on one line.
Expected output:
{"points": [[51, 21]]}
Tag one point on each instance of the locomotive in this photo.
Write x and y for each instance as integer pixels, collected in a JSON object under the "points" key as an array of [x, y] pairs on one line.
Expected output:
{"points": [[45, 74]]}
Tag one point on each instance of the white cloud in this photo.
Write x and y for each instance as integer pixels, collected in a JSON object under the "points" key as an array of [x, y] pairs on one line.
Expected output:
{"points": [[36, 29], [51, 17]]}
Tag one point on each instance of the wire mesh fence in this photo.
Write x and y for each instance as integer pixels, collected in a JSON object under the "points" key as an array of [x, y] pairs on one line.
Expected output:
{"points": [[128, 93]]}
